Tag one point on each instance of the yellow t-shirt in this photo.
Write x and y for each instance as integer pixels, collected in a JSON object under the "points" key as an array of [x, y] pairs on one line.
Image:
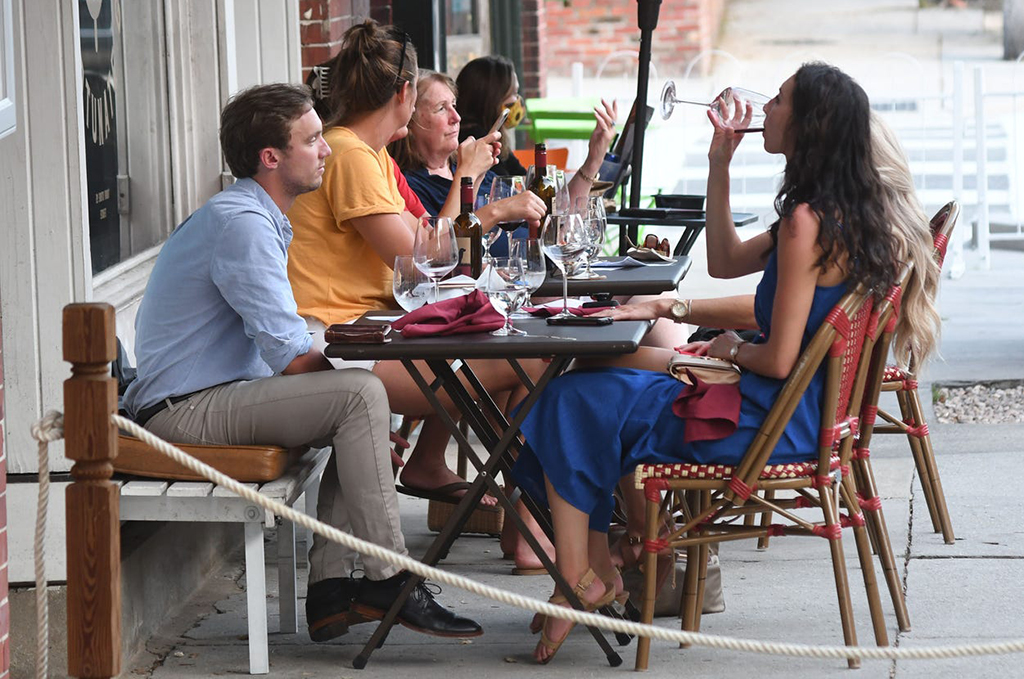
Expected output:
{"points": [[335, 274]]}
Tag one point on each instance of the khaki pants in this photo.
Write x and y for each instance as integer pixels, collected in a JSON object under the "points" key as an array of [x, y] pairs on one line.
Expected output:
{"points": [[346, 409]]}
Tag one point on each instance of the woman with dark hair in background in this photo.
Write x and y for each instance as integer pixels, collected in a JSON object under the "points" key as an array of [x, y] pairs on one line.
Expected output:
{"points": [[832, 234], [487, 85]]}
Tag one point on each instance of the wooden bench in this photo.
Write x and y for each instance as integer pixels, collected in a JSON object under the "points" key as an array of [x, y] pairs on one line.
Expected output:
{"points": [[202, 501]]}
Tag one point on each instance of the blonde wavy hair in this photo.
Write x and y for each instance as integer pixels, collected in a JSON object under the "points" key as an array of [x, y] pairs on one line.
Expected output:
{"points": [[917, 329]]}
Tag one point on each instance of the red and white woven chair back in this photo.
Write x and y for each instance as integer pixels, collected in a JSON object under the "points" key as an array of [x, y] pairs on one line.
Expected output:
{"points": [[942, 225]]}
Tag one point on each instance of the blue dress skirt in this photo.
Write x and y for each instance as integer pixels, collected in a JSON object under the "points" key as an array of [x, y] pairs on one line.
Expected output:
{"points": [[591, 427]]}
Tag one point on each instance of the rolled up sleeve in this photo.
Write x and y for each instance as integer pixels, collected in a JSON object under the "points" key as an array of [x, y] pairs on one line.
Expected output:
{"points": [[250, 268]]}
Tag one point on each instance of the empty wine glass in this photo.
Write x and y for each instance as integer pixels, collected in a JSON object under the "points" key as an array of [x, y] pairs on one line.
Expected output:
{"points": [[725, 105], [506, 187], [490, 235], [504, 282], [434, 249], [534, 268], [564, 240], [592, 212], [410, 286]]}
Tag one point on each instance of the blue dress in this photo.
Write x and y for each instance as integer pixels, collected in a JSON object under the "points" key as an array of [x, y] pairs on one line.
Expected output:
{"points": [[591, 427]]}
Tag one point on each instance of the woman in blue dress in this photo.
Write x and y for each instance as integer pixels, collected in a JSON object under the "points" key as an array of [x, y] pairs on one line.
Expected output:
{"points": [[592, 426]]}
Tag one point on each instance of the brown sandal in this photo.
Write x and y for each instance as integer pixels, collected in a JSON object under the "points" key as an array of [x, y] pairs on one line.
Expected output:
{"points": [[581, 587]]}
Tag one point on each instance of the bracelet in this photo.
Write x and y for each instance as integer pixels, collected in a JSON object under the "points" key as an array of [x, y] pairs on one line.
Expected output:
{"points": [[586, 176], [734, 352]]}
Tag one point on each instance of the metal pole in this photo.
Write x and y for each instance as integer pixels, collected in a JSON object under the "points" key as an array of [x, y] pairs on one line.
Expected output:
{"points": [[956, 265], [982, 147], [647, 19]]}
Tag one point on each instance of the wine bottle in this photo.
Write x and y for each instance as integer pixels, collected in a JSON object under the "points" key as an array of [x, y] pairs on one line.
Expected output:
{"points": [[542, 185], [469, 233]]}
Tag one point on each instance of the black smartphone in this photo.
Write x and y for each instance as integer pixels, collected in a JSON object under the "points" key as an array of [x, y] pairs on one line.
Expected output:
{"points": [[600, 304], [581, 320]]}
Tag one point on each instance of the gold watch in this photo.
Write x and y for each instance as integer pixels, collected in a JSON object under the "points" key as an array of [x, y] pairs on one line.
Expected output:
{"points": [[680, 310]]}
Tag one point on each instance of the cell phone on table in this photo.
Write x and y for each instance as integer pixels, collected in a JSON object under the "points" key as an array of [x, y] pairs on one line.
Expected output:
{"points": [[581, 320], [499, 122]]}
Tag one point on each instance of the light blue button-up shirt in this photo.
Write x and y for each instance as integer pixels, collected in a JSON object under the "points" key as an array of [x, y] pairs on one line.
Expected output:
{"points": [[218, 306]]}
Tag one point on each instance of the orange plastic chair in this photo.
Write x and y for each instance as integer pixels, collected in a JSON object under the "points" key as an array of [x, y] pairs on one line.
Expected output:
{"points": [[708, 499], [556, 156], [911, 421]]}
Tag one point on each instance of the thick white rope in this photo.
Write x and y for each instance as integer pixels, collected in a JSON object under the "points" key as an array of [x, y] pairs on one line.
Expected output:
{"points": [[592, 619], [50, 428]]}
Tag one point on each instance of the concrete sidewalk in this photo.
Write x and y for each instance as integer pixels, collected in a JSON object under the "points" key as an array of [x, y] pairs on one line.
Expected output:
{"points": [[967, 592]]}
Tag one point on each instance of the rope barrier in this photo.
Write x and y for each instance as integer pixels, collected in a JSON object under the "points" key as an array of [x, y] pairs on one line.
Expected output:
{"points": [[50, 428], [570, 614]]}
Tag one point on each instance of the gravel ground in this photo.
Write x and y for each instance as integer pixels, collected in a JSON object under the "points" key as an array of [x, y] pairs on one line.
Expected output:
{"points": [[980, 403]]}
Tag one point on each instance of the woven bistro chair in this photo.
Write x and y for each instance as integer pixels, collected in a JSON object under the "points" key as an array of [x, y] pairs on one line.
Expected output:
{"points": [[883, 323], [911, 421], [707, 500]]}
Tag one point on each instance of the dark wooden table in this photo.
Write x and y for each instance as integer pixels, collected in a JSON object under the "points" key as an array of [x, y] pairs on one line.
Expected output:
{"points": [[633, 280], [446, 357]]}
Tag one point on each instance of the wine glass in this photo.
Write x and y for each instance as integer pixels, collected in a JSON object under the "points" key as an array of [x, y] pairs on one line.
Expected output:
{"points": [[725, 105], [490, 235], [563, 239], [529, 251], [504, 282], [506, 187], [409, 285], [434, 250], [591, 210]]}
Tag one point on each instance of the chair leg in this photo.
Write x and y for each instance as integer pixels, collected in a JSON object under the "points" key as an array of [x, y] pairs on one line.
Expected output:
{"points": [[839, 571], [923, 473], [652, 525], [766, 520], [867, 564], [878, 529], [256, 598], [690, 603], [286, 584], [928, 455], [702, 576]]}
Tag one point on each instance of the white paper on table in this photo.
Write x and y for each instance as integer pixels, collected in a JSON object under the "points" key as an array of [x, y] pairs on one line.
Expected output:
{"points": [[624, 262]]}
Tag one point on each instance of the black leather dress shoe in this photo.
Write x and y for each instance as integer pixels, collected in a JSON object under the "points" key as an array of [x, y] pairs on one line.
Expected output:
{"points": [[419, 612], [328, 605]]}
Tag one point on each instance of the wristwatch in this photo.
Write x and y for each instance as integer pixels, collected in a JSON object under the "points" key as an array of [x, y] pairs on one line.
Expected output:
{"points": [[735, 351], [680, 310]]}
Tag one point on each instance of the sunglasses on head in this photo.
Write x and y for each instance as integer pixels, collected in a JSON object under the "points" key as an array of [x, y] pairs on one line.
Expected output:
{"points": [[404, 37]]}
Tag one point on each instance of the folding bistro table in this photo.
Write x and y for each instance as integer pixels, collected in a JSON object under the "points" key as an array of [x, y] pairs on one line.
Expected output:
{"points": [[446, 357], [649, 279]]}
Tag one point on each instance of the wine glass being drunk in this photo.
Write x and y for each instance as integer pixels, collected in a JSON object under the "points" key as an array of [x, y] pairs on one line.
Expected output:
{"points": [[725, 105]]}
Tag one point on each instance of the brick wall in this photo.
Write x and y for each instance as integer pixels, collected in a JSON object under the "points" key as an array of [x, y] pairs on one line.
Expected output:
{"points": [[5, 606], [537, 48], [322, 23], [589, 30]]}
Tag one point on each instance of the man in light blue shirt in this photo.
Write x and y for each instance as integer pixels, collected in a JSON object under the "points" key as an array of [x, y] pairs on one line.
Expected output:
{"points": [[223, 358]]}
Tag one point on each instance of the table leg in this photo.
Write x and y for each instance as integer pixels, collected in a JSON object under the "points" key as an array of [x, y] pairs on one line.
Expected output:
{"points": [[498, 446]]}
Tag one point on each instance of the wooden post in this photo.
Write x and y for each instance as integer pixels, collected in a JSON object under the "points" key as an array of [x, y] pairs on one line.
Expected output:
{"points": [[93, 522]]}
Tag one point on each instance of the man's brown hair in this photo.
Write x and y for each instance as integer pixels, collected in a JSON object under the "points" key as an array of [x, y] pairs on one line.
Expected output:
{"points": [[257, 118]]}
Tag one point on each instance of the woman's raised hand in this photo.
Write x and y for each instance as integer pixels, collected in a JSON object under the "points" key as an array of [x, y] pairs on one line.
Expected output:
{"points": [[475, 157], [604, 130], [726, 139], [522, 206]]}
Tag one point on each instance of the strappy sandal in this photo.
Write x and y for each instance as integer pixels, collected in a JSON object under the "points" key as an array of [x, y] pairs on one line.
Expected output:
{"points": [[581, 587], [609, 596]]}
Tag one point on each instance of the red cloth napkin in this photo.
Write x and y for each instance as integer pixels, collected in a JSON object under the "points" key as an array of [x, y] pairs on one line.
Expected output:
{"points": [[545, 311], [711, 411], [459, 315]]}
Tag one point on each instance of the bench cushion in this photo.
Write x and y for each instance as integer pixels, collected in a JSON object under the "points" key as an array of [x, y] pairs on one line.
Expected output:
{"points": [[249, 464]]}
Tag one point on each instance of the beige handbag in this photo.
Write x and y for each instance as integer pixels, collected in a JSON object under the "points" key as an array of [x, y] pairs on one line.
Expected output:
{"points": [[705, 368], [671, 594]]}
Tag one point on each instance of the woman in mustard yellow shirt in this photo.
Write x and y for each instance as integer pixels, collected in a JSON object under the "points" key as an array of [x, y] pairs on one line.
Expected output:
{"points": [[349, 231]]}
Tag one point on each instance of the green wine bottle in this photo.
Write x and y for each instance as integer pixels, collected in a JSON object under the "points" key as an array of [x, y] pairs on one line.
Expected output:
{"points": [[542, 185]]}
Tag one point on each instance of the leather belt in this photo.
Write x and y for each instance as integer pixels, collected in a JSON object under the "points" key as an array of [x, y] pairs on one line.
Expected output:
{"points": [[146, 414]]}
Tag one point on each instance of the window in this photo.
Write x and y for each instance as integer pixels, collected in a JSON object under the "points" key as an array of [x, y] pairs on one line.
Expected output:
{"points": [[462, 17], [8, 113]]}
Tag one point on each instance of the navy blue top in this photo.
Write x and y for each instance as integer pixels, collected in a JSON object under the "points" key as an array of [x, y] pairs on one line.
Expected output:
{"points": [[218, 306]]}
